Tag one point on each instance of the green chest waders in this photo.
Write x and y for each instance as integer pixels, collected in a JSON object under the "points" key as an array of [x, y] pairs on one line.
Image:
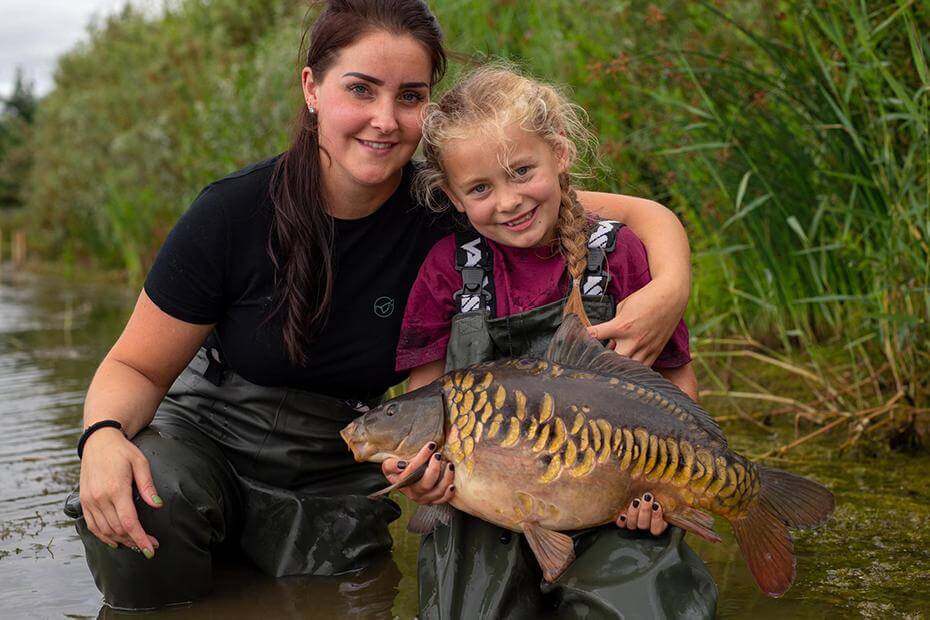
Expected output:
{"points": [[256, 470], [473, 569]]}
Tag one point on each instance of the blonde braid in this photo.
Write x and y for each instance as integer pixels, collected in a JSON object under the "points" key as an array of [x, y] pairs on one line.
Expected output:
{"points": [[572, 231]]}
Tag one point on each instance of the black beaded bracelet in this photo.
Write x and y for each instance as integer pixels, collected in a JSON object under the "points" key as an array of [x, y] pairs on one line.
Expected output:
{"points": [[93, 428]]}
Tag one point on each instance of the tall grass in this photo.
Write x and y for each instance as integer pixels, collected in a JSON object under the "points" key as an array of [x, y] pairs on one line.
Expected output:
{"points": [[821, 157], [791, 136]]}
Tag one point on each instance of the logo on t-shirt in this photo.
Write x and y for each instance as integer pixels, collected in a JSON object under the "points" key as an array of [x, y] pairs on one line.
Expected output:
{"points": [[384, 307]]}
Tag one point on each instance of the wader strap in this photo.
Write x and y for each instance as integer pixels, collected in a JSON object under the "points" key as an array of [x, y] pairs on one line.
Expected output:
{"points": [[601, 242], [216, 364], [473, 259]]}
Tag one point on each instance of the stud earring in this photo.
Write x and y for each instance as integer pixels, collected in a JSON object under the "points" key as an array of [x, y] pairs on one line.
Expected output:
{"points": [[311, 109]]}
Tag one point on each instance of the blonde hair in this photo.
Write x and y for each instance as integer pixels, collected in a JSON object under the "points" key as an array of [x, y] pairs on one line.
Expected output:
{"points": [[491, 99]]}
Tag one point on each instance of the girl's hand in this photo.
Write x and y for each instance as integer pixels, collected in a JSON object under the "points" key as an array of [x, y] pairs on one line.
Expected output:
{"points": [[644, 321], [110, 465], [644, 513], [435, 487]]}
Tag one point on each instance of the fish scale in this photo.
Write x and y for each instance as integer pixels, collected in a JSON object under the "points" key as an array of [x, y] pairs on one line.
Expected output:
{"points": [[566, 442], [656, 458]]}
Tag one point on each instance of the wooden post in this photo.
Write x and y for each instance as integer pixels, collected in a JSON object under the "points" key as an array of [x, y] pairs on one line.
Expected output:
{"points": [[19, 247]]}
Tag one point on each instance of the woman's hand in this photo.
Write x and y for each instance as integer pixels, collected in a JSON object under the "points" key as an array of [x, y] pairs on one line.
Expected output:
{"points": [[110, 465], [643, 513], [644, 321], [435, 487]]}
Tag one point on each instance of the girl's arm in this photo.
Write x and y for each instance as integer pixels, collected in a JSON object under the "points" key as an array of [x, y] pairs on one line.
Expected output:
{"points": [[683, 377], [646, 319], [425, 374]]}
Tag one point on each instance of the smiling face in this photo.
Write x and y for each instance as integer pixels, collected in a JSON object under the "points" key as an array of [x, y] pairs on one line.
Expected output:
{"points": [[368, 106], [511, 196]]}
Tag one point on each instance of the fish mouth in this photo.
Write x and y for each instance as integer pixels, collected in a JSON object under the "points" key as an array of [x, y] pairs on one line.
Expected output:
{"points": [[351, 435]]}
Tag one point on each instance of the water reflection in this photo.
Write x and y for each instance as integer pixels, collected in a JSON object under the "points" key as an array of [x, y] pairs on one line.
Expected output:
{"points": [[243, 592], [50, 335]]}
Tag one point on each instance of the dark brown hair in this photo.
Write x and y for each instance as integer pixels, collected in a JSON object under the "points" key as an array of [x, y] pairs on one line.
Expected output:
{"points": [[300, 244]]}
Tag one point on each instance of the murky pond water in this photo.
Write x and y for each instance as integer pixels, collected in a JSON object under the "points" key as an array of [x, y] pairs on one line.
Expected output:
{"points": [[872, 560]]}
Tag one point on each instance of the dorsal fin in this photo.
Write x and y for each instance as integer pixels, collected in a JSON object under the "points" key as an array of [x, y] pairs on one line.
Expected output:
{"points": [[574, 347]]}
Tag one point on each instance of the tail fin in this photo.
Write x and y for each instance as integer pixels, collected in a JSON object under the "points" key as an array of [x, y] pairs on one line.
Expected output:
{"points": [[785, 500]]}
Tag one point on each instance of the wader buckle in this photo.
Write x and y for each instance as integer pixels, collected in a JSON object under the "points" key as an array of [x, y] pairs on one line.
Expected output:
{"points": [[472, 295], [602, 240], [215, 366]]}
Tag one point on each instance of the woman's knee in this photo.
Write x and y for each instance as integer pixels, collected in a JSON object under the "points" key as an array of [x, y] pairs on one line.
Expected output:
{"points": [[198, 488], [199, 494]]}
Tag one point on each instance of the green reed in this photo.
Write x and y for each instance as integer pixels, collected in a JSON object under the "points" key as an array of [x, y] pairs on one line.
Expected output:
{"points": [[791, 136], [820, 154]]}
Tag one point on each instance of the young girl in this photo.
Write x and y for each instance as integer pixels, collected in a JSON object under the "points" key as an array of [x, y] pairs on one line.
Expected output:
{"points": [[500, 147]]}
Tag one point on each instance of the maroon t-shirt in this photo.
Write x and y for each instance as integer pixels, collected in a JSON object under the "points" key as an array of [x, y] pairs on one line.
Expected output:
{"points": [[523, 279]]}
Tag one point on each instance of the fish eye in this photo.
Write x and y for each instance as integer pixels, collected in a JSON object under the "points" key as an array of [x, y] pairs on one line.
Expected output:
{"points": [[391, 410]]}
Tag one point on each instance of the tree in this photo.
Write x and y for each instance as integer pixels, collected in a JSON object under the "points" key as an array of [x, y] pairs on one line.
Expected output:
{"points": [[22, 103], [19, 110]]}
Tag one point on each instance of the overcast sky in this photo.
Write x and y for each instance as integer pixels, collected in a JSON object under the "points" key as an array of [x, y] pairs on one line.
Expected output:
{"points": [[34, 32]]}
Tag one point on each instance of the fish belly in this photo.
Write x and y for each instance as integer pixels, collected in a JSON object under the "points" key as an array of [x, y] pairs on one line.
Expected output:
{"points": [[504, 487], [567, 449]]}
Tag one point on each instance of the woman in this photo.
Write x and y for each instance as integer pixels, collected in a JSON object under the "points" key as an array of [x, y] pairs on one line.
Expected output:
{"points": [[271, 316]]}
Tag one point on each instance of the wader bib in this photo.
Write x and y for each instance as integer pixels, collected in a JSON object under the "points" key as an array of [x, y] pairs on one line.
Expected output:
{"points": [[473, 569], [244, 469]]}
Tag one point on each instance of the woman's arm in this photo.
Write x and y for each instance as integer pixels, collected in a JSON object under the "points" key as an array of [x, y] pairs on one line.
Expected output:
{"points": [[646, 319], [128, 386]]}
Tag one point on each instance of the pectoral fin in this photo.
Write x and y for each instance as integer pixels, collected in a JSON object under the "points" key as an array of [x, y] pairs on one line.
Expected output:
{"points": [[553, 550], [410, 479], [426, 518], [694, 521]]}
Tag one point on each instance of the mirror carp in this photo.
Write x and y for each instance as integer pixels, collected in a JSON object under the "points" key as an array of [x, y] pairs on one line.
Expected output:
{"points": [[566, 442]]}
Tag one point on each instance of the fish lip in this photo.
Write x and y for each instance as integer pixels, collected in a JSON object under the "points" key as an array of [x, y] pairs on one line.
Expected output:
{"points": [[346, 434]]}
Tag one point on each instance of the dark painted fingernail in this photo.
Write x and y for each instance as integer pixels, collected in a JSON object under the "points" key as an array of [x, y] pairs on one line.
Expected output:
{"points": [[623, 518], [635, 503], [655, 506], [438, 456], [647, 498], [431, 446], [451, 467], [401, 465], [505, 537]]}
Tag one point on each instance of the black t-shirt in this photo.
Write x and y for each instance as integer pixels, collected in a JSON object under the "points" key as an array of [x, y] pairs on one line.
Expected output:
{"points": [[214, 268]]}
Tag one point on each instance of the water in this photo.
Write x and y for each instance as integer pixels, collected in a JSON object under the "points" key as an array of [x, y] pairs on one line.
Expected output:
{"points": [[871, 561]]}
